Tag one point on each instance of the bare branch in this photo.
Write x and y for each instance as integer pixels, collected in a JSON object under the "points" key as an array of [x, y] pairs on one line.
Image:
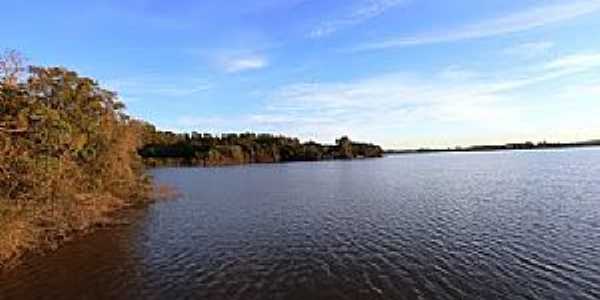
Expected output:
{"points": [[17, 130], [12, 66]]}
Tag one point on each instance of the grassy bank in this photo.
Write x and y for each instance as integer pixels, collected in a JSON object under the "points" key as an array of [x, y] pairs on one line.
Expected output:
{"points": [[68, 157]]}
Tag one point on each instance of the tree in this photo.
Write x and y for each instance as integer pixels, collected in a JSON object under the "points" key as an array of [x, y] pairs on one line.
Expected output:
{"points": [[344, 148], [58, 126]]}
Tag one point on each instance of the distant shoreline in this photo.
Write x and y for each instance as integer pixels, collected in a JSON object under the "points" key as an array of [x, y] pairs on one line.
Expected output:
{"points": [[204, 150], [506, 147]]}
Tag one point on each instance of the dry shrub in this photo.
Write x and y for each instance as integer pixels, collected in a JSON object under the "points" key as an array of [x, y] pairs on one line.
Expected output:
{"points": [[17, 233]]}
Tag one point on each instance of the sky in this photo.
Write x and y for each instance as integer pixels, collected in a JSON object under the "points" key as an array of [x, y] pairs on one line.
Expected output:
{"points": [[399, 73]]}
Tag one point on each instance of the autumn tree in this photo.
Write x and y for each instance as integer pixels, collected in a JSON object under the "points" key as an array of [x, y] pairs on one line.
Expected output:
{"points": [[68, 152]]}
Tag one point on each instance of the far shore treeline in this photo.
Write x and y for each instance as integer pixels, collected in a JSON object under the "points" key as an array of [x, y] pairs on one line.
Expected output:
{"points": [[506, 147], [197, 149], [69, 155]]}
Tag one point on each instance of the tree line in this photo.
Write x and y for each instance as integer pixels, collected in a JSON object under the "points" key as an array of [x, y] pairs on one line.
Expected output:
{"points": [[168, 148]]}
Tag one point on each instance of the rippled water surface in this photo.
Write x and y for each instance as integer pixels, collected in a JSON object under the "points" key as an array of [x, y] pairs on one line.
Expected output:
{"points": [[505, 225]]}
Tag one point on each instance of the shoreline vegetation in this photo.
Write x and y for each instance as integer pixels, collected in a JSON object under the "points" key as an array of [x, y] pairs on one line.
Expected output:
{"points": [[506, 147], [205, 150], [70, 158]]}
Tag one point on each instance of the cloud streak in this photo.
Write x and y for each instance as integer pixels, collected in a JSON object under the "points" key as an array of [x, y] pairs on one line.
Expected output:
{"points": [[361, 13], [575, 62], [242, 64], [531, 18]]}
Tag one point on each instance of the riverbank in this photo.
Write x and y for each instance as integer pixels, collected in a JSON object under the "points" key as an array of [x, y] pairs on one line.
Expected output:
{"points": [[43, 229], [39, 229]]}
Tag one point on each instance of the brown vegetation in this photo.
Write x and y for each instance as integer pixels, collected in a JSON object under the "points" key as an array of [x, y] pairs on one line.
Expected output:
{"points": [[67, 156]]}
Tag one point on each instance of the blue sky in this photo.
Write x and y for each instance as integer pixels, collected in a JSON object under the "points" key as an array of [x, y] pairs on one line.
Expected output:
{"points": [[401, 73]]}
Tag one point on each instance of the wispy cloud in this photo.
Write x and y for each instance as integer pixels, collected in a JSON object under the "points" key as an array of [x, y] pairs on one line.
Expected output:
{"points": [[529, 50], [374, 107], [457, 104], [244, 63], [528, 19], [362, 12], [575, 62], [242, 53]]}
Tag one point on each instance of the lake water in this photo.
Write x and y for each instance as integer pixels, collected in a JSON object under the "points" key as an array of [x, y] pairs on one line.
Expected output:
{"points": [[502, 225]]}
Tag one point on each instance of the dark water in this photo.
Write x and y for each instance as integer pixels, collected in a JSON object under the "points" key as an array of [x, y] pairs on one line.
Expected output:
{"points": [[506, 225]]}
